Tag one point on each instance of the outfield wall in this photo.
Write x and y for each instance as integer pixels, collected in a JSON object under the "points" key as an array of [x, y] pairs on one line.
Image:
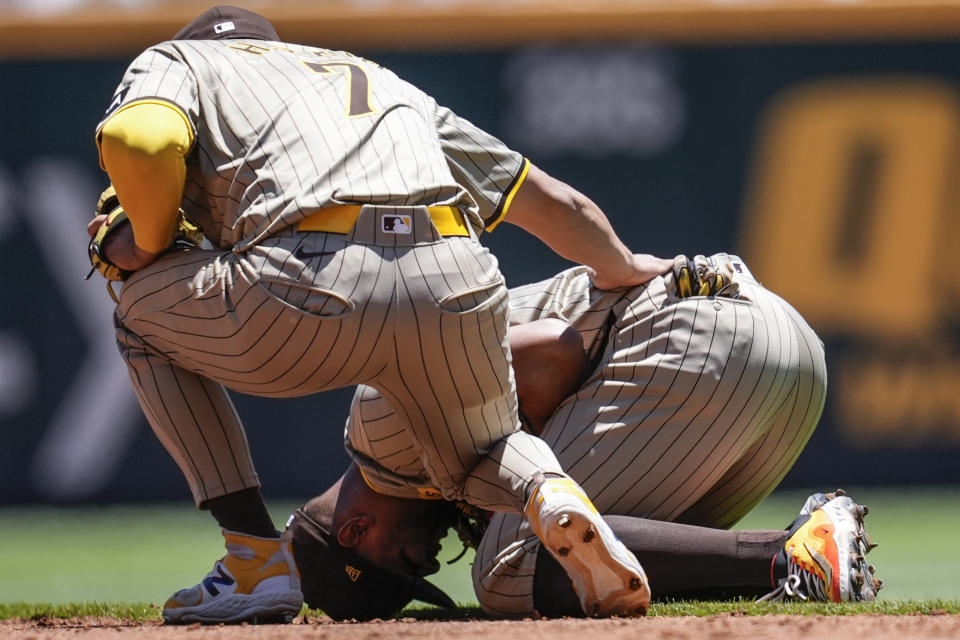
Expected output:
{"points": [[97, 28], [818, 140]]}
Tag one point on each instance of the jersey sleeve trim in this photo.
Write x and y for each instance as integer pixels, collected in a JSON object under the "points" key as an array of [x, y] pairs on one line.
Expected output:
{"points": [[501, 212], [191, 132]]}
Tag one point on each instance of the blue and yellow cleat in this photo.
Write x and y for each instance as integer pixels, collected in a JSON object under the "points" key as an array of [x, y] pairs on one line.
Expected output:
{"points": [[257, 581]]}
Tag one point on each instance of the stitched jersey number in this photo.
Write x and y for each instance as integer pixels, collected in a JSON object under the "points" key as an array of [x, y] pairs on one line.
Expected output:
{"points": [[358, 86]]}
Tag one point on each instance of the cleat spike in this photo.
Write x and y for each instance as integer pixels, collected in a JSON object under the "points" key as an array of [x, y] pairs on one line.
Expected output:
{"points": [[564, 521], [871, 546], [635, 583], [856, 577], [871, 568], [563, 551], [589, 534], [840, 492]]}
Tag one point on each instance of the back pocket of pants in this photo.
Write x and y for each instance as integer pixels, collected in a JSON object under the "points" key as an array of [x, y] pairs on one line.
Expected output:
{"points": [[317, 301], [474, 299]]}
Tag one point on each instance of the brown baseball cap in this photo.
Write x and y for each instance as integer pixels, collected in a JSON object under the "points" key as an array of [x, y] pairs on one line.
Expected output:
{"points": [[224, 22], [343, 585]]}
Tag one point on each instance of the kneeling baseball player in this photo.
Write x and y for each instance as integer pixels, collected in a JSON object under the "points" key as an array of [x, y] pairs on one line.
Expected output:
{"points": [[678, 406], [339, 244]]}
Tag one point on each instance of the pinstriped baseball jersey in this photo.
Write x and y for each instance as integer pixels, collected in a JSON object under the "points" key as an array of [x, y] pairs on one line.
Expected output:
{"points": [[281, 133], [283, 130], [694, 411]]}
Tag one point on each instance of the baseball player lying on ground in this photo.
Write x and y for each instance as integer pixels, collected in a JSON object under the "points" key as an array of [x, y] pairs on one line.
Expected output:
{"points": [[677, 405], [345, 250]]}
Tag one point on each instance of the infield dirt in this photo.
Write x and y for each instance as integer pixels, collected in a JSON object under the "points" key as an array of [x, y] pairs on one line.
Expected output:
{"points": [[722, 627]]}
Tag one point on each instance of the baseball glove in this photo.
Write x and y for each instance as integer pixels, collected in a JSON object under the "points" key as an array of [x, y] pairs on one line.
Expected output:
{"points": [[471, 524], [698, 277], [188, 235]]}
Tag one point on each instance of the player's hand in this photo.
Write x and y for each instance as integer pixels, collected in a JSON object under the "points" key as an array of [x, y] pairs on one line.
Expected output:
{"points": [[642, 268], [120, 248], [700, 277]]}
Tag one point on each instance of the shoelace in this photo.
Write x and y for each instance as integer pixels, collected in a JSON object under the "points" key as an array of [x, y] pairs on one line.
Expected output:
{"points": [[812, 586]]}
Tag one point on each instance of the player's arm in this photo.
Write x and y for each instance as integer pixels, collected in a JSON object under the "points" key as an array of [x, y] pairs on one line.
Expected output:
{"points": [[576, 228], [507, 187], [142, 148]]}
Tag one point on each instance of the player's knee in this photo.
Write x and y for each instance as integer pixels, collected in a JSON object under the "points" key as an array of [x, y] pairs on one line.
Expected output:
{"points": [[570, 342], [549, 363], [547, 335]]}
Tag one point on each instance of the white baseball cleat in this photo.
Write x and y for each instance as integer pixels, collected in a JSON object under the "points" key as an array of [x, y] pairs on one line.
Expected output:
{"points": [[257, 581], [824, 557], [606, 576]]}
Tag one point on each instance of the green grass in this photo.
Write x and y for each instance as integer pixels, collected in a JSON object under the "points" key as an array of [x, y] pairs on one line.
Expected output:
{"points": [[134, 612], [80, 561]]}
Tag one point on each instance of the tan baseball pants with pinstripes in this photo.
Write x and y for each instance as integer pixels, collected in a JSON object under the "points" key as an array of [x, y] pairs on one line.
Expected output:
{"points": [[420, 317], [696, 410]]}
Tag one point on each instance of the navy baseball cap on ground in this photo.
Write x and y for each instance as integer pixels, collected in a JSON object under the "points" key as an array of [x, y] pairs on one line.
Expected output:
{"points": [[343, 585], [223, 22]]}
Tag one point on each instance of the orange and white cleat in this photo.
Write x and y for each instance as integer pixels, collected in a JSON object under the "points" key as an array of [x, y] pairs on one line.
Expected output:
{"points": [[823, 558]]}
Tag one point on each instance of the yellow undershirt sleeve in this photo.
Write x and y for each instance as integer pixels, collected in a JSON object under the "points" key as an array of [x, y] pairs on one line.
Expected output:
{"points": [[142, 148]]}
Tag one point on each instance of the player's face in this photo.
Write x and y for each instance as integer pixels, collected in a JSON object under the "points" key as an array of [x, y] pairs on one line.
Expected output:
{"points": [[406, 536]]}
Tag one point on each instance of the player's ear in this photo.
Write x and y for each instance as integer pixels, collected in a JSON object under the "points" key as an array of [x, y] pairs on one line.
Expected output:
{"points": [[352, 532]]}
